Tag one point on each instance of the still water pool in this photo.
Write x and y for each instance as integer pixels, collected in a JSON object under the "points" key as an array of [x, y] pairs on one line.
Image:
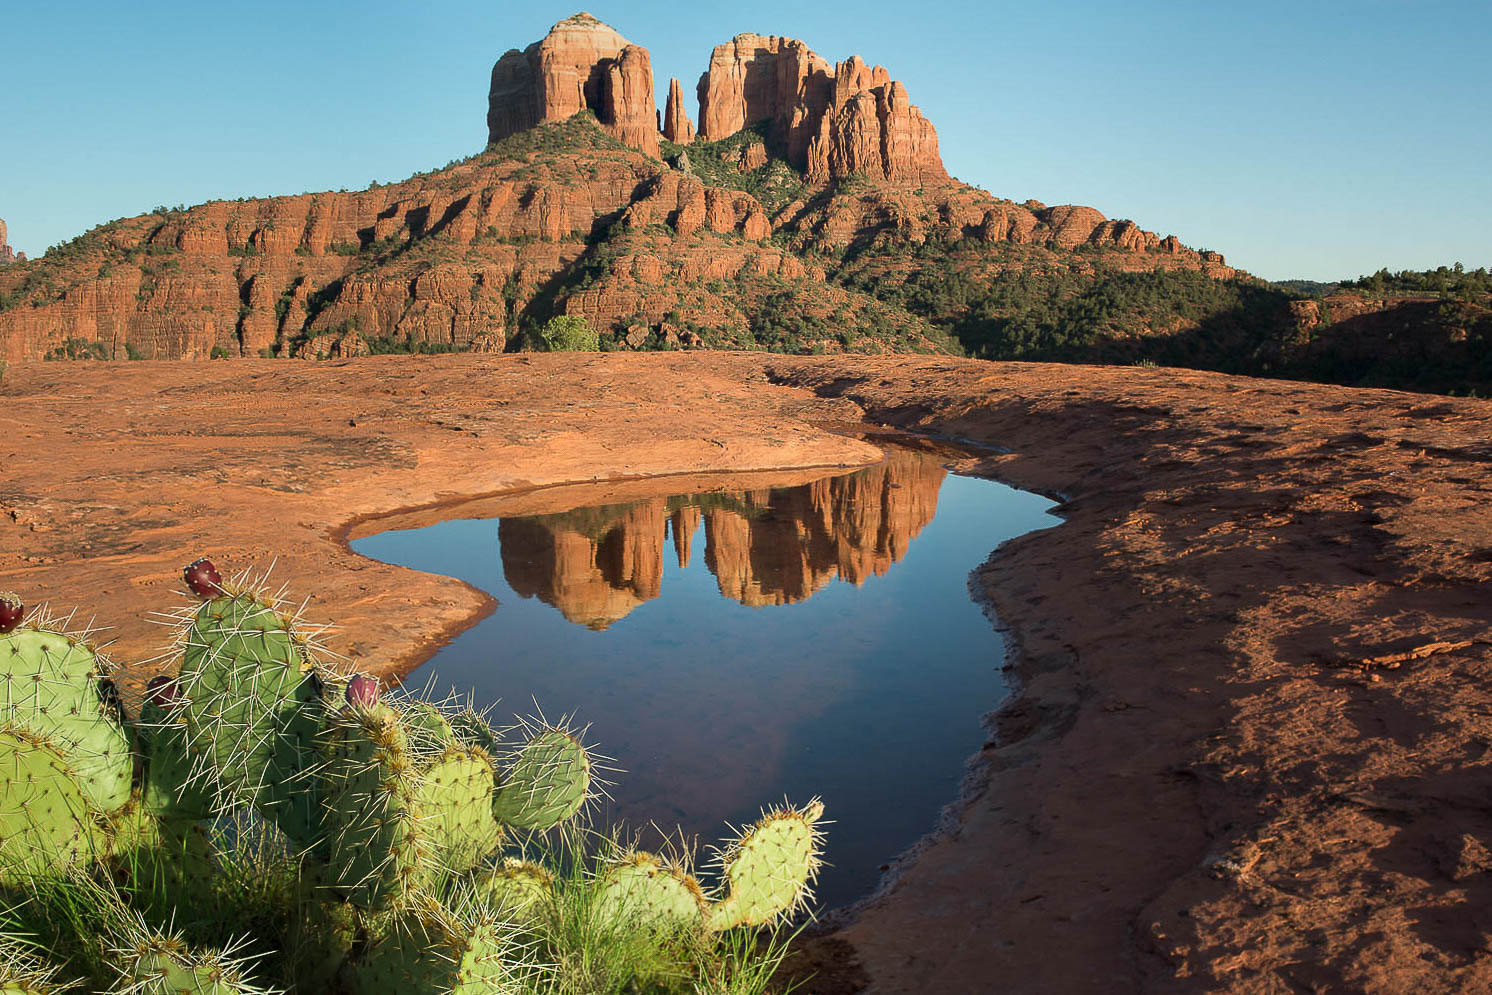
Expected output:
{"points": [[731, 647]]}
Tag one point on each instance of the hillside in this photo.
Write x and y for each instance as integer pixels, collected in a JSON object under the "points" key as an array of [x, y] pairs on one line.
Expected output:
{"points": [[762, 238], [809, 212]]}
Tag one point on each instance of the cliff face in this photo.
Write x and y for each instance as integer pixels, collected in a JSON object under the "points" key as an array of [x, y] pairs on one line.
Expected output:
{"points": [[581, 64], [830, 122], [769, 547]]}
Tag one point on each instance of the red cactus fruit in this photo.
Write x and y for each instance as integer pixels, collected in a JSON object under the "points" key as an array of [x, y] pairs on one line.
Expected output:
{"points": [[11, 612], [362, 691], [203, 579], [165, 692]]}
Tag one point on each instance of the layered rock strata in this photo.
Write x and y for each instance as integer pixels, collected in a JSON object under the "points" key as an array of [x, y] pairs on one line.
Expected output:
{"points": [[582, 64], [830, 122]]}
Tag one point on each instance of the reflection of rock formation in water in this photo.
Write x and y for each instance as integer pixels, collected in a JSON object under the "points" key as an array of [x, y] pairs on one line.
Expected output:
{"points": [[685, 524], [765, 547], [853, 527], [594, 568]]}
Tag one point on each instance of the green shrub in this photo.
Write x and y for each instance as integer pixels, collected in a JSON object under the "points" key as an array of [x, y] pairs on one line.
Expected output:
{"points": [[569, 333]]}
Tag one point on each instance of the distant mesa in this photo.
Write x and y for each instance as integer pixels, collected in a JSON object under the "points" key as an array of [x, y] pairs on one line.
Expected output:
{"points": [[764, 547], [7, 254]]}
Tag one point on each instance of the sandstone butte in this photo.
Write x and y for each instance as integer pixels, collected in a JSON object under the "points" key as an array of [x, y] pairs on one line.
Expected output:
{"points": [[572, 211]]}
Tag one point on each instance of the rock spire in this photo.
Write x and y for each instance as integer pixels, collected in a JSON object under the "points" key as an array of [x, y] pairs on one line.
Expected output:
{"points": [[7, 254], [676, 125], [581, 63], [828, 121]]}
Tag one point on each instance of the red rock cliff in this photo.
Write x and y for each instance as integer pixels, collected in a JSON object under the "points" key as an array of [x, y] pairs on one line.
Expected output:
{"points": [[829, 122], [582, 63]]}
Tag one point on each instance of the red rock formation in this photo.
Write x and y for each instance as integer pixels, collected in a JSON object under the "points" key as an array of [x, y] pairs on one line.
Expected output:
{"points": [[752, 157], [7, 254], [688, 205], [676, 125], [829, 123], [581, 64]]}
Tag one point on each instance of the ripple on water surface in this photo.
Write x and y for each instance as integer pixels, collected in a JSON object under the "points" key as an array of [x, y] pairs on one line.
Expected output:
{"points": [[734, 646]]}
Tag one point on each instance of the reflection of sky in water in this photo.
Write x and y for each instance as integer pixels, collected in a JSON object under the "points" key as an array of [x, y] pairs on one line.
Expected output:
{"points": [[869, 696]]}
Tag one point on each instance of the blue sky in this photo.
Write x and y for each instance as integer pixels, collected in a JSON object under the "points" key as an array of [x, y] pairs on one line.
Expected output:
{"points": [[1308, 139]]}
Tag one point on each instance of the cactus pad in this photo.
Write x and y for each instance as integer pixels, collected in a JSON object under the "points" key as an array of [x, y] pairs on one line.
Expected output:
{"points": [[770, 868], [45, 822], [427, 725], [547, 784], [438, 953], [169, 789], [454, 796], [53, 685], [157, 965], [514, 888], [641, 888], [255, 708], [379, 849]]}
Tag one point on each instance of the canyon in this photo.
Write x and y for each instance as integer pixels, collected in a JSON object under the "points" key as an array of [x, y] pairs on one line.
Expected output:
{"points": [[801, 174]]}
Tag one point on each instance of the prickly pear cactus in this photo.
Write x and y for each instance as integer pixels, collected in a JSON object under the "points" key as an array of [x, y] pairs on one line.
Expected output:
{"points": [[46, 823], [55, 685], [429, 724], [643, 888], [151, 964], [165, 860], [170, 790], [517, 889], [438, 951], [547, 784], [380, 849], [455, 795], [254, 706], [770, 868]]}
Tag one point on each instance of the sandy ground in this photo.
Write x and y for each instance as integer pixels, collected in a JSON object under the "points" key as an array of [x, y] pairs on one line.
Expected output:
{"points": [[1249, 747]]}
